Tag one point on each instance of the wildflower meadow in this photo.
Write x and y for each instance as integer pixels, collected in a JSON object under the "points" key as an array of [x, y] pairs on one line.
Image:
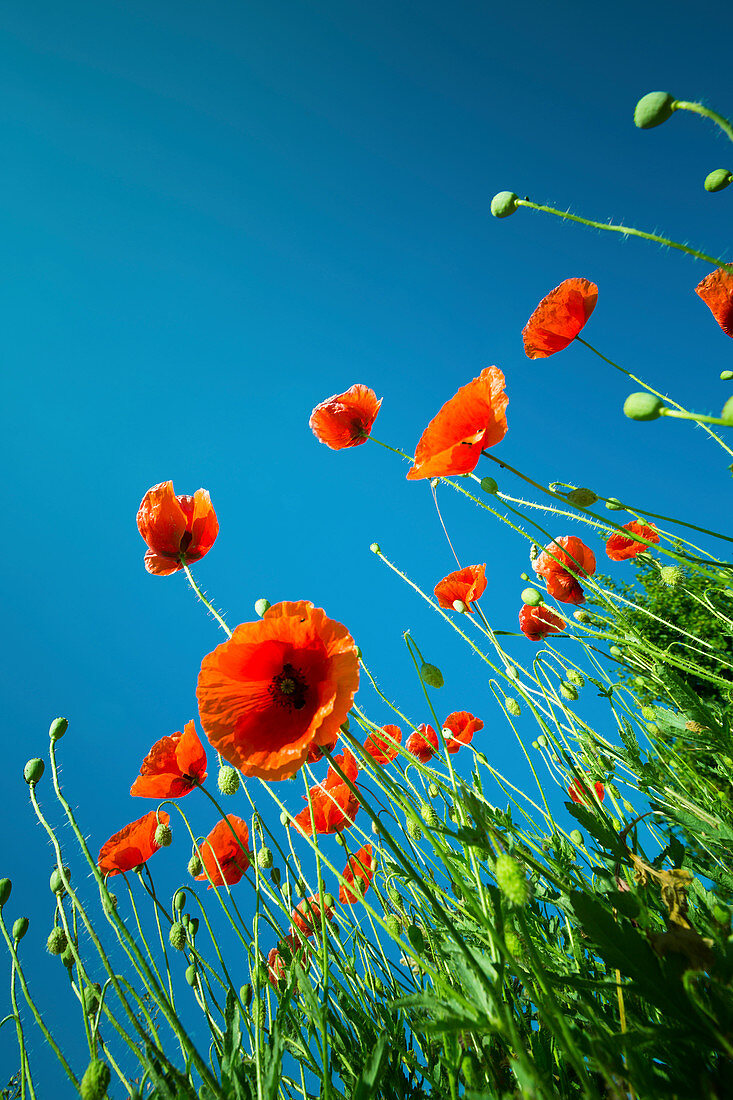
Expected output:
{"points": [[374, 910]]}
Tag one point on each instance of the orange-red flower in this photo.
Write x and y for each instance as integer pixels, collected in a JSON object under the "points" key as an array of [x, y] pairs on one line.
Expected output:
{"points": [[716, 291], [131, 846], [537, 622], [345, 420], [280, 957], [361, 866], [381, 748], [459, 728], [560, 563], [334, 804], [467, 585], [173, 767], [176, 528], [224, 853], [306, 917], [453, 440], [277, 687], [423, 743], [559, 318], [579, 792], [620, 547]]}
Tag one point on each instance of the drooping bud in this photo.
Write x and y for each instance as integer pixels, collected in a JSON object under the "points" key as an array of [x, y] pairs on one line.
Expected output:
{"points": [[264, 858], [531, 597], [512, 706], [56, 881], [431, 675], [568, 691], [433, 790], [375, 548], [284, 817], [582, 498], [67, 957], [416, 938], [534, 551], [643, 406], [177, 936], [95, 1082], [414, 831], [726, 375], [195, 866], [503, 204], [511, 879], [163, 835], [179, 900], [190, 974], [33, 771], [20, 928], [245, 994], [582, 617], [727, 413], [58, 728], [429, 816], [275, 876], [5, 888], [671, 575], [261, 606], [576, 678], [718, 179], [228, 780], [653, 109], [615, 652], [56, 942], [614, 505], [511, 672], [90, 998], [193, 926], [489, 485]]}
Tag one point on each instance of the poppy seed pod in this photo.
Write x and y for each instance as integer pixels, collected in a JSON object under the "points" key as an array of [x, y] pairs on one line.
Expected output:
{"points": [[459, 606], [95, 1082], [261, 606], [489, 485], [503, 204], [653, 109], [582, 498], [718, 180], [431, 675], [531, 597], [511, 879], [56, 942], [643, 406], [177, 936], [228, 780], [163, 836], [20, 928], [5, 888], [58, 728], [33, 771]]}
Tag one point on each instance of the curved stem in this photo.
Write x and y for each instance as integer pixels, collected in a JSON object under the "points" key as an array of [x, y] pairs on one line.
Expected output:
{"points": [[207, 603], [699, 109]]}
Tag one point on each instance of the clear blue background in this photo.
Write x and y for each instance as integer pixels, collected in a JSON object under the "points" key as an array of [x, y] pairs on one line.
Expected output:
{"points": [[215, 215]]}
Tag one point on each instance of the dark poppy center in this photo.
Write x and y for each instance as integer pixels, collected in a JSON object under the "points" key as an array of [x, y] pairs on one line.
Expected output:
{"points": [[289, 688]]}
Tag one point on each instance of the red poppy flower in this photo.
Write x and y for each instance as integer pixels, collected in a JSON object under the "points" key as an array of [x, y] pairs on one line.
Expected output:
{"points": [[361, 866], [620, 548], [276, 687], [173, 767], [716, 291], [453, 440], [131, 846], [467, 584], [423, 743], [579, 792], [538, 622], [224, 854], [175, 528], [345, 420], [559, 318], [380, 748], [315, 752], [459, 728], [558, 563], [280, 957], [306, 917], [334, 808]]}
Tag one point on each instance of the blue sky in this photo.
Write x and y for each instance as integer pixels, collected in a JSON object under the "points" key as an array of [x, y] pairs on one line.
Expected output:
{"points": [[213, 217]]}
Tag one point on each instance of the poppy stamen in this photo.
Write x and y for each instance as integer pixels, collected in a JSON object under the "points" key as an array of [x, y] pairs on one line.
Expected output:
{"points": [[289, 687]]}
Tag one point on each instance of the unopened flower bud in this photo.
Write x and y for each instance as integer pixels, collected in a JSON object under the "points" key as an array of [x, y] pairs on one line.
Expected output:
{"points": [[431, 675], [542, 741], [512, 706], [67, 957], [375, 548], [190, 974], [193, 926], [582, 616], [459, 605], [261, 606], [643, 406], [56, 942], [503, 204], [339, 840], [5, 887], [284, 817], [195, 866], [33, 771], [568, 691], [416, 938], [653, 109], [163, 835], [177, 936], [582, 498], [56, 881], [433, 790], [95, 1082], [245, 994], [489, 485], [718, 179], [726, 414], [614, 505], [228, 780], [264, 858], [615, 651], [429, 816], [58, 728], [414, 831], [179, 900], [275, 876], [671, 575], [524, 576], [531, 597], [511, 879], [20, 928], [577, 837], [576, 678], [726, 375]]}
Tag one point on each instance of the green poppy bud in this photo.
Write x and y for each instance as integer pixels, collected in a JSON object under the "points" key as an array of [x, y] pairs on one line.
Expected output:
{"points": [[511, 879], [393, 894], [671, 575], [489, 485], [512, 706], [542, 741], [582, 498], [431, 675], [459, 606], [179, 900], [245, 994], [20, 928], [284, 817], [615, 651], [95, 1082], [524, 576], [5, 888], [58, 728], [577, 837], [614, 505], [33, 771], [727, 413], [568, 691], [56, 942], [433, 790], [576, 678], [531, 596], [193, 926], [503, 204], [582, 617], [429, 816], [375, 548], [643, 406], [195, 866], [718, 179], [275, 876], [67, 957], [261, 606], [653, 109], [328, 901], [90, 999], [416, 938], [264, 859], [339, 840], [414, 831], [228, 780], [56, 882], [163, 836], [726, 375], [177, 936], [190, 974]]}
